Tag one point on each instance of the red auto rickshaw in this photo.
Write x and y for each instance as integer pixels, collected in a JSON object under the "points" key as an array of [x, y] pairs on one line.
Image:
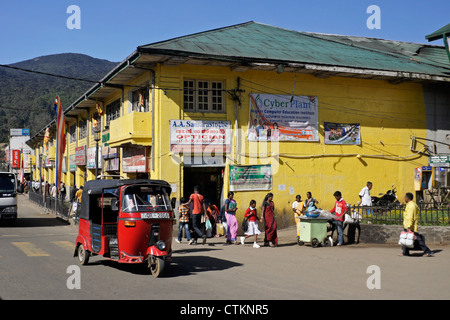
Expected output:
{"points": [[129, 221]]}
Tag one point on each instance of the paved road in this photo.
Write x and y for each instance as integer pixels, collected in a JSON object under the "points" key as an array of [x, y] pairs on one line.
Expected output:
{"points": [[36, 252]]}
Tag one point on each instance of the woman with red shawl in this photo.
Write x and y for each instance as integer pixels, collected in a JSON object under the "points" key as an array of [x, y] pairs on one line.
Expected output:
{"points": [[270, 224]]}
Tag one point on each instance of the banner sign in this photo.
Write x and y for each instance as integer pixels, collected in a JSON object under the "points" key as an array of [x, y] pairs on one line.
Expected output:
{"points": [[134, 160], [197, 136], [80, 156], [342, 133], [16, 159], [90, 155], [247, 178], [283, 118]]}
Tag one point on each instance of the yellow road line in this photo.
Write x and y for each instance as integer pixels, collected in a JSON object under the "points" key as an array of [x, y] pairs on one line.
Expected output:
{"points": [[65, 245], [30, 249]]}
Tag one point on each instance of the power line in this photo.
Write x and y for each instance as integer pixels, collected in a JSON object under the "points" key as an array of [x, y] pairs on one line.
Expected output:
{"points": [[48, 74]]}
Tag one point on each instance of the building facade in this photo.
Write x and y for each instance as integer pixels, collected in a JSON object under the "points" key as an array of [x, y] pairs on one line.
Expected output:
{"points": [[254, 109]]}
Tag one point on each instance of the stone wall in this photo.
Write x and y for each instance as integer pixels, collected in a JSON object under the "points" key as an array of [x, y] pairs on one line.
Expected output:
{"points": [[389, 234]]}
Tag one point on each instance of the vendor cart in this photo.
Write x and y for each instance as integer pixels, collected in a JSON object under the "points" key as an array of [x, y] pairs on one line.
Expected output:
{"points": [[313, 230]]}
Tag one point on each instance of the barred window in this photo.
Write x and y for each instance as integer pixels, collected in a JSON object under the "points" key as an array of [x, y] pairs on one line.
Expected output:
{"points": [[73, 133], [82, 129], [203, 96], [112, 112]]}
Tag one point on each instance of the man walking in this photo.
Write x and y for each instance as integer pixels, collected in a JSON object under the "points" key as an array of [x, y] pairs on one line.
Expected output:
{"points": [[199, 209], [411, 223]]}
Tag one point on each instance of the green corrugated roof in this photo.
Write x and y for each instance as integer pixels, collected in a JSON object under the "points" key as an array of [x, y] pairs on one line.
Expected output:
{"points": [[257, 42], [438, 34]]}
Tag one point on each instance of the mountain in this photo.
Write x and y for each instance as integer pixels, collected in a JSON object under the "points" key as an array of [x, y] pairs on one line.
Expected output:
{"points": [[27, 99]]}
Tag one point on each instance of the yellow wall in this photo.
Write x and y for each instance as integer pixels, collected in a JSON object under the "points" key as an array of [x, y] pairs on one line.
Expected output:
{"points": [[389, 115]]}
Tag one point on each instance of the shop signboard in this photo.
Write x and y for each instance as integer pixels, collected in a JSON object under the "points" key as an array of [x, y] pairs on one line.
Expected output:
{"points": [[200, 136], [249, 178]]}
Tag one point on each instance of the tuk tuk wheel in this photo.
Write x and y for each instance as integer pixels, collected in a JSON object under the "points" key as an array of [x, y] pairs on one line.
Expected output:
{"points": [[326, 242], [314, 243], [83, 255], [156, 265], [299, 242]]}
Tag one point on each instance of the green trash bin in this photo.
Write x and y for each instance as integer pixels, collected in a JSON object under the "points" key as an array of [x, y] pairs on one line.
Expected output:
{"points": [[313, 231]]}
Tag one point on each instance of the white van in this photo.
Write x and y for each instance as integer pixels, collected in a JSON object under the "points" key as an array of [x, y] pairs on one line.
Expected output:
{"points": [[8, 196]]}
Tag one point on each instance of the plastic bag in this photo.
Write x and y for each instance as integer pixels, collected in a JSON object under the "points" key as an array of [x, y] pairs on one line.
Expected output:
{"points": [[407, 239]]}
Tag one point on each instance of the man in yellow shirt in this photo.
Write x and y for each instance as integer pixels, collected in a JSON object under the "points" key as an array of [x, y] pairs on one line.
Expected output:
{"points": [[411, 223]]}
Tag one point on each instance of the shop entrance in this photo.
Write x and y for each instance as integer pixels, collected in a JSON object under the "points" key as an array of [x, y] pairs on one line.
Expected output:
{"points": [[209, 180]]}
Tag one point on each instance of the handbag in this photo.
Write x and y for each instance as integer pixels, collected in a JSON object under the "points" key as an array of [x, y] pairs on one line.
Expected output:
{"points": [[407, 239]]}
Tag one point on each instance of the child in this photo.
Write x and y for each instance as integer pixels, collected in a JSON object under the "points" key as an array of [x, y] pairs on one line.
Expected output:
{"points": [[252, 224], [183, 221], [298, 207], [339, 210]]}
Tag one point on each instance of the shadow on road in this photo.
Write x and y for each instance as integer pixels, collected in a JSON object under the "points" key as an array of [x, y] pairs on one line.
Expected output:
{"points": [[34, 222], [190, 265], [180, 266]]}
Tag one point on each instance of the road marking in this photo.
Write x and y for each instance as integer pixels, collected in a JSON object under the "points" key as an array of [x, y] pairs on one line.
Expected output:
{"points": [[30, 249], [65, 245]]}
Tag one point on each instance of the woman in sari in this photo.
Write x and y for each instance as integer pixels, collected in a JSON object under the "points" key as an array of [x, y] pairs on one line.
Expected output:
{"points": [[270, 224]]}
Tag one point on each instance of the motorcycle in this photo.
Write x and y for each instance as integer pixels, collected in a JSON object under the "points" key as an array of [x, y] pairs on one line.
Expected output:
{"points": [[388, 200]]}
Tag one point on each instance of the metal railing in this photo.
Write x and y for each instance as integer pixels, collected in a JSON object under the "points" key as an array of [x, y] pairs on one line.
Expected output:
{"points": [[429, 214], [57, 205]]}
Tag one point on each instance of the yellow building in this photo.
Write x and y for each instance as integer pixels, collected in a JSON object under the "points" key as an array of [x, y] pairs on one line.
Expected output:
{"points": [[255, 109]]}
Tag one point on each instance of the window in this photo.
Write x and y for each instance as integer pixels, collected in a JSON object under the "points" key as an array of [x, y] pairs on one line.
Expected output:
{"points": [[112, 111], [73, 133], [203, 96], [82, 129], [140, 100]]}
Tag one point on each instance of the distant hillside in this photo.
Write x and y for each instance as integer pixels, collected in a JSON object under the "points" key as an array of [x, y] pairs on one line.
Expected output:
{"points": [[27, 99]]}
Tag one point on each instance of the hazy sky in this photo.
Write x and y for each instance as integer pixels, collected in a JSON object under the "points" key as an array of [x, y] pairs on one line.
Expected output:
{"points": [[113, 29]]}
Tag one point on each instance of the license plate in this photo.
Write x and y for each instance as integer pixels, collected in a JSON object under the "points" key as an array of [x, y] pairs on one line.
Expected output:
{"points": [[155, 215]]}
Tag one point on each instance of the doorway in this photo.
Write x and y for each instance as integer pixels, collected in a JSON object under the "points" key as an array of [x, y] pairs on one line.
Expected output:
{"points": [[209, 180]]}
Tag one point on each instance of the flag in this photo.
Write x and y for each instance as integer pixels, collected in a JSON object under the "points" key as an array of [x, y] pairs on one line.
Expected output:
{"points": [[46, 138], [21, 175], [60, 138]]}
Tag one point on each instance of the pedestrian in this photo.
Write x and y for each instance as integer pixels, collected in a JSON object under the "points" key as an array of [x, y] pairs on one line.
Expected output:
{"points": [[79, 195], [297, 207], [253, 229], [223, 221], [310, 202], [366, 199], [183, 219], [198, 212], [270, 223], [54, 191], [411, 223], [213, 216], [62, 191], [339, 210], [230, 215]]}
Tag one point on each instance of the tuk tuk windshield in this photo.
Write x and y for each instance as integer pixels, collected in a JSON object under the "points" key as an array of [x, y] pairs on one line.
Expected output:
{"points": [[145, 198]]}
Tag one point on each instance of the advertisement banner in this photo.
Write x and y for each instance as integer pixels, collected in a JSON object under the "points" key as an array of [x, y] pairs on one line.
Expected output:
{"points": [[283, 118], [247, 178], [90, 155], [134, 160], [80, 156], [72, 164], [16, 159], [342, 133], [197, 136]]}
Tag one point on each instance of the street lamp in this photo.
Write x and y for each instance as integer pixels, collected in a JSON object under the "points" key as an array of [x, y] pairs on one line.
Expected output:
{"points": [[97, 139]]}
